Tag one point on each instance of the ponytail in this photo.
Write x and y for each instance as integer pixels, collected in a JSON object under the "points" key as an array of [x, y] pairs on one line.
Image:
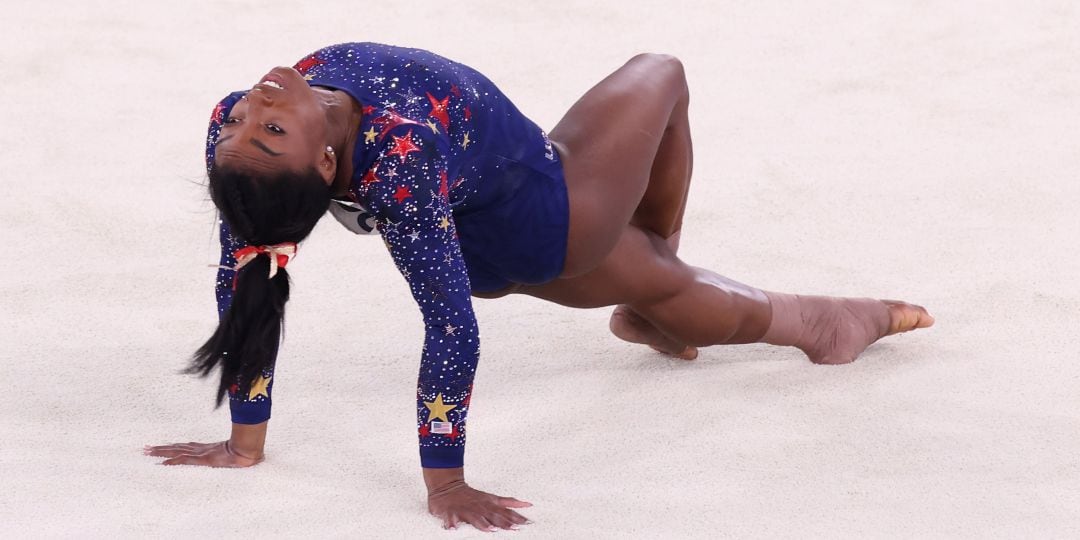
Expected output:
{"points": [[268, 209], [247, 337]]}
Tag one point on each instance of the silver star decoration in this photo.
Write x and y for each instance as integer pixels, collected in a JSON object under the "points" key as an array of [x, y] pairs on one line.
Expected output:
{"points": [[414, 236], [410, 97], [450, 329]]}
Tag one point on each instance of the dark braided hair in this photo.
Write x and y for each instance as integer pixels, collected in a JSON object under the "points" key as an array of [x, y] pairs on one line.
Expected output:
{"points": [[261, 209]]}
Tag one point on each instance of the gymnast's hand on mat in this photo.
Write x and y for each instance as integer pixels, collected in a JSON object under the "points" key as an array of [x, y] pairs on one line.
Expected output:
{"points": [[456, 502], [218, 454], [243, 449]]}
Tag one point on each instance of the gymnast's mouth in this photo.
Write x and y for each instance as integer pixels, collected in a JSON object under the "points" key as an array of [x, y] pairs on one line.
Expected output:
{"points": [[273, 80]]}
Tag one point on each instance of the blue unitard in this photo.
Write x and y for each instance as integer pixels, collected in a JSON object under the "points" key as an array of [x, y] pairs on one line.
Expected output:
{"points": [[467, 193]]}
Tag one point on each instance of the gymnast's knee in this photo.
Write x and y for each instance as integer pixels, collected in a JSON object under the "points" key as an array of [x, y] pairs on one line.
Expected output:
{"points": [[669, 68]]}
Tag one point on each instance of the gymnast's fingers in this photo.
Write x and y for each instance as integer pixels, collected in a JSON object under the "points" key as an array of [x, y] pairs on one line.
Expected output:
{"points": [[496, 518], [173, 450], [510, 502], [515, 517], [480, 522], [166, 450], [186, 459], [208, 460], [450, 522]]}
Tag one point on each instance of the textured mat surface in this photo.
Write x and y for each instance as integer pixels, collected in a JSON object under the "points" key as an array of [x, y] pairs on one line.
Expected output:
{"points": [[925, 151]]}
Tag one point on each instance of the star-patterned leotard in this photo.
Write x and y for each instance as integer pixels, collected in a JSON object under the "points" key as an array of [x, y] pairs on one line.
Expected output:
{"points": [[467, 193]]}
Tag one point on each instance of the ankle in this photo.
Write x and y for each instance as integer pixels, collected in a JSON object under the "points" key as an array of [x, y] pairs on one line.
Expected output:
{"points": [[786, 325]]}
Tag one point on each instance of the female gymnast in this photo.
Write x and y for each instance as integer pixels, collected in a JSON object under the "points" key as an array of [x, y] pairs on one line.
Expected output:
{"points": [[473, 199]]}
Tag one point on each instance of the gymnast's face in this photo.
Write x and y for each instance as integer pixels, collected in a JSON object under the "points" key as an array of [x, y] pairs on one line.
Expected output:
{"points": [[279, 124]]}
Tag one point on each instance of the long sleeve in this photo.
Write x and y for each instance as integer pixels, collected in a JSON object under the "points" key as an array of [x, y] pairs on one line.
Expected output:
{"points": [[406, 188], [252, 406]]}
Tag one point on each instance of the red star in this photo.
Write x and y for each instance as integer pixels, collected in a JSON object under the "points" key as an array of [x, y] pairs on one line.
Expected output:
{"points": [[402, 146], [424, 430], [468, 114], [370, 178], [438, 110], [390, 120], [307, 63], [444, 190], [455, 90], [402, 193], [218, 116], [368, 109], [454, 433]]}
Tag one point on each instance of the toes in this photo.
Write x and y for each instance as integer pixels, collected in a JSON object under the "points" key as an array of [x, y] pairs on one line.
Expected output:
{"points": [[906, 317], [914, 317], [686, 353], [690, 353], [627, 326], [926, 320]]}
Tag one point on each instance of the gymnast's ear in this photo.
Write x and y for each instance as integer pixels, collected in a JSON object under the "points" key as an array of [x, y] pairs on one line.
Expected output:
{"points": [[327, 165]]}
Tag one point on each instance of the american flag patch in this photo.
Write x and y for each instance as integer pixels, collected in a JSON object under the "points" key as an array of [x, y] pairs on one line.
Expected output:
{"points": [[441, 427]]}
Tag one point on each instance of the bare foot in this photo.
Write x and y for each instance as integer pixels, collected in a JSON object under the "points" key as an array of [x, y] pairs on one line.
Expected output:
{"points": [[629, 326], [837, 330]]}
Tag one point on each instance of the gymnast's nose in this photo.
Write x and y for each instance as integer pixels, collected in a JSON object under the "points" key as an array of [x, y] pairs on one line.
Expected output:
{"points": [[257, 96]]}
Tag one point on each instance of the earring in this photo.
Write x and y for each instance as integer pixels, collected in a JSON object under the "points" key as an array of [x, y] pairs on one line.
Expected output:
{"points": [[330, 149]]}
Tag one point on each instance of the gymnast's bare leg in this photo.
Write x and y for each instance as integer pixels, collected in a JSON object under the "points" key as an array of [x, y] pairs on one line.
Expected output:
{"points": [[627, 157]]}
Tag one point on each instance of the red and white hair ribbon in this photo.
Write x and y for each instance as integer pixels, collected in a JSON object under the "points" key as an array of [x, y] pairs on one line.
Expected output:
{"points": [[280, 255]]}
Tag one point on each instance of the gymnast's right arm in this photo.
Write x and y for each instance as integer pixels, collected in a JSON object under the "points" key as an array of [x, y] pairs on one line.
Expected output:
{"points": [[249, 403]]}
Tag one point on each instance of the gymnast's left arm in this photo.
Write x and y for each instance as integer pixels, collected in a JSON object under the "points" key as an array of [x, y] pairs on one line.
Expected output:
{"points": [[415, 220]]}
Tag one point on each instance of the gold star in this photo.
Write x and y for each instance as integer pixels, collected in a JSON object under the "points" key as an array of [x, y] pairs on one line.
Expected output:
{"points": [[309, 77], [431, 125], [258, 387], [437, 409], [369, 135], [465, 143], [444, 223]]}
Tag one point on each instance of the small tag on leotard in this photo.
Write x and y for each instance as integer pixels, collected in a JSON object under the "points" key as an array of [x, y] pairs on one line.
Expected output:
{"points": [[353, 216], [441, 427]]}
